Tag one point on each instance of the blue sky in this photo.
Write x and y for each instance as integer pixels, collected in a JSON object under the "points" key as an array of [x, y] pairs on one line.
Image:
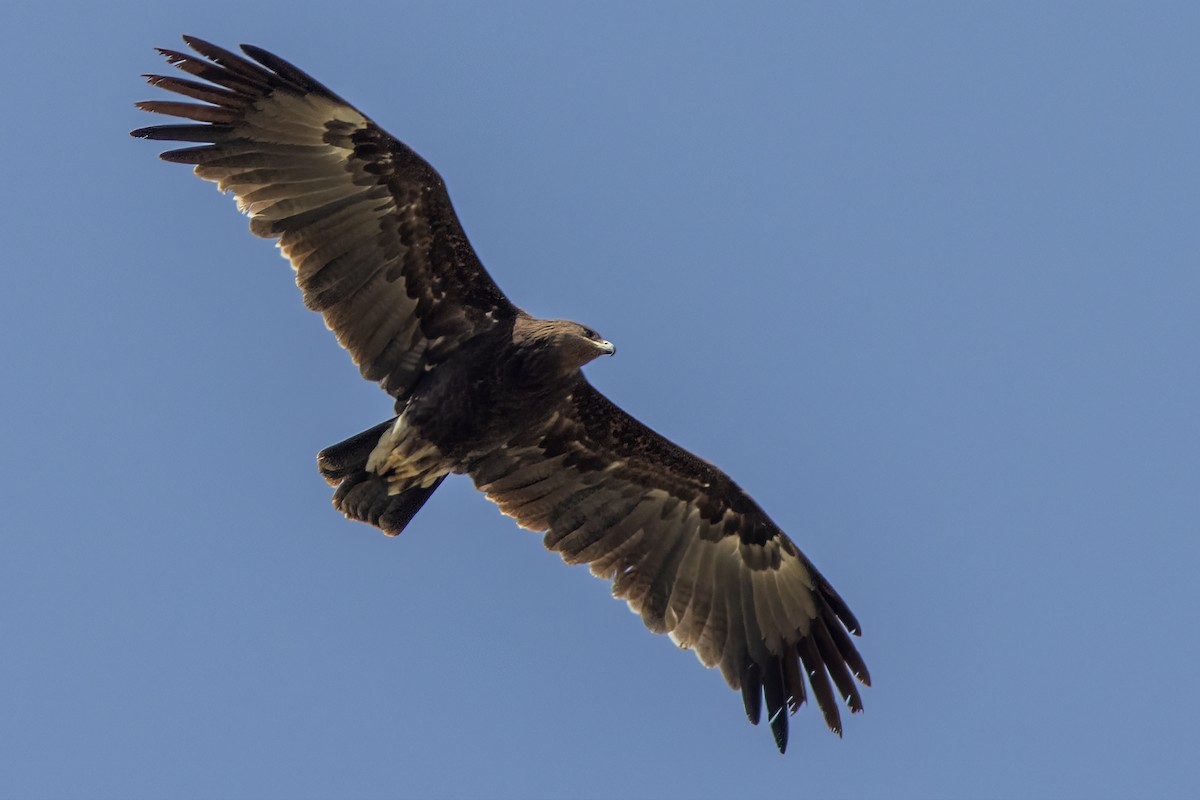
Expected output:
{"points": [[924, 278]]}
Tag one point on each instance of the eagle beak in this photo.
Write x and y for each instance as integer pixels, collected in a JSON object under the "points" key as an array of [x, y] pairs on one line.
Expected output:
{"points": [[607, 347]]}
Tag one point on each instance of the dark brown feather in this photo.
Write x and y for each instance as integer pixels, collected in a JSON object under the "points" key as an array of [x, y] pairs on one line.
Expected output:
{"points": [[213, 73], [184, 133], [288, 71], [220, 116], [252, 73], [793, 679], [818, 678], [752, 692], [849, 653], [776, 696], [199, 91]]}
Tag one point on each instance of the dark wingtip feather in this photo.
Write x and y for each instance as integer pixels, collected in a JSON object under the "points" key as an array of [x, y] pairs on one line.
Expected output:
{"points": [[172, 56], [845, 647], [779, 727], [288, 71], [752, 692], [231, 61], [777, 701], [205, 92], [221, 67], [840, 608], [186, 133], [793, 679], [818, 678], [835, 665], [194, 111]]}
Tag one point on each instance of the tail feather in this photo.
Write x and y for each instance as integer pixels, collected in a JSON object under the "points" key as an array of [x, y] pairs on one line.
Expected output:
{"points": [[363, 495], [345, 458]]}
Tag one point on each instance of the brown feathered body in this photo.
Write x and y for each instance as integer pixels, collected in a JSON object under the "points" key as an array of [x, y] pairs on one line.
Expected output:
{"points": [[483, 388], [501, 386]]}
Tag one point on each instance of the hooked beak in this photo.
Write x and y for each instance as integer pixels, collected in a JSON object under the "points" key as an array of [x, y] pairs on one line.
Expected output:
{"points": [[607, 347]]}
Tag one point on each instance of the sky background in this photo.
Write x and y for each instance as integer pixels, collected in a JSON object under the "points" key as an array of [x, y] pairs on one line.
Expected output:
{"points": [[924, 278]]}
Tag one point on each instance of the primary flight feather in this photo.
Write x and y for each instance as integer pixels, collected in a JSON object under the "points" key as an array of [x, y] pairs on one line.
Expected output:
{"points": [[484, 389]]}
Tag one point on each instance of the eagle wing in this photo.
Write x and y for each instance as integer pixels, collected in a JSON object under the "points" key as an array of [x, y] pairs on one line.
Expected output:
{"points": [[366, 223], [688, 550]]}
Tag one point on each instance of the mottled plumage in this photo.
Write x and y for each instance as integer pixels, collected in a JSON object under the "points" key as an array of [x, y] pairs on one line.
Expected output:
{"points": [[484, 389]]}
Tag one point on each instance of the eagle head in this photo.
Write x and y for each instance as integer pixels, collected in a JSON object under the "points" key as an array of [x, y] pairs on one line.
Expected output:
{"points": [[569, 344], [579, 344]]}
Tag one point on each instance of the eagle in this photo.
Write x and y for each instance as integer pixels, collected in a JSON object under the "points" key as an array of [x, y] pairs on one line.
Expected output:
{"points": [[484, 389]]}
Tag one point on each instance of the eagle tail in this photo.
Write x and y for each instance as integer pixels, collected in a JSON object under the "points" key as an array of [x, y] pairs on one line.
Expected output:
{"points": [[364, 495], [339, 461]]}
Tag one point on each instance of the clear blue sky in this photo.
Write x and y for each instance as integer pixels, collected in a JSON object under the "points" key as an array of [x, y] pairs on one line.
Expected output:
{"points": [[924, 278]]}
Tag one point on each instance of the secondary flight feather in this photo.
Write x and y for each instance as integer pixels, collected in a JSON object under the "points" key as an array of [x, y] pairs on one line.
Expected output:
{"points": [[484, 389]]}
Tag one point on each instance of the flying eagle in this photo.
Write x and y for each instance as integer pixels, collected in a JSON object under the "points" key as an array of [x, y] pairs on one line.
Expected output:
{"points": [[485, 389]]}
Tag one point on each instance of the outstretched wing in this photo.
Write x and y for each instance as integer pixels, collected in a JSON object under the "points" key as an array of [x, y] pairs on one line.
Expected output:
{"points": [[366, 223], [687, 549]]}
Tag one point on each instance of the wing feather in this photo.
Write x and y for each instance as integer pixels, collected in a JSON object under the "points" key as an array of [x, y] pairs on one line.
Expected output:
{"points": [[366, 223], [697, 627], [775, 694], [687, 549], [601, 543], [818, 679], [683, 590]]}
